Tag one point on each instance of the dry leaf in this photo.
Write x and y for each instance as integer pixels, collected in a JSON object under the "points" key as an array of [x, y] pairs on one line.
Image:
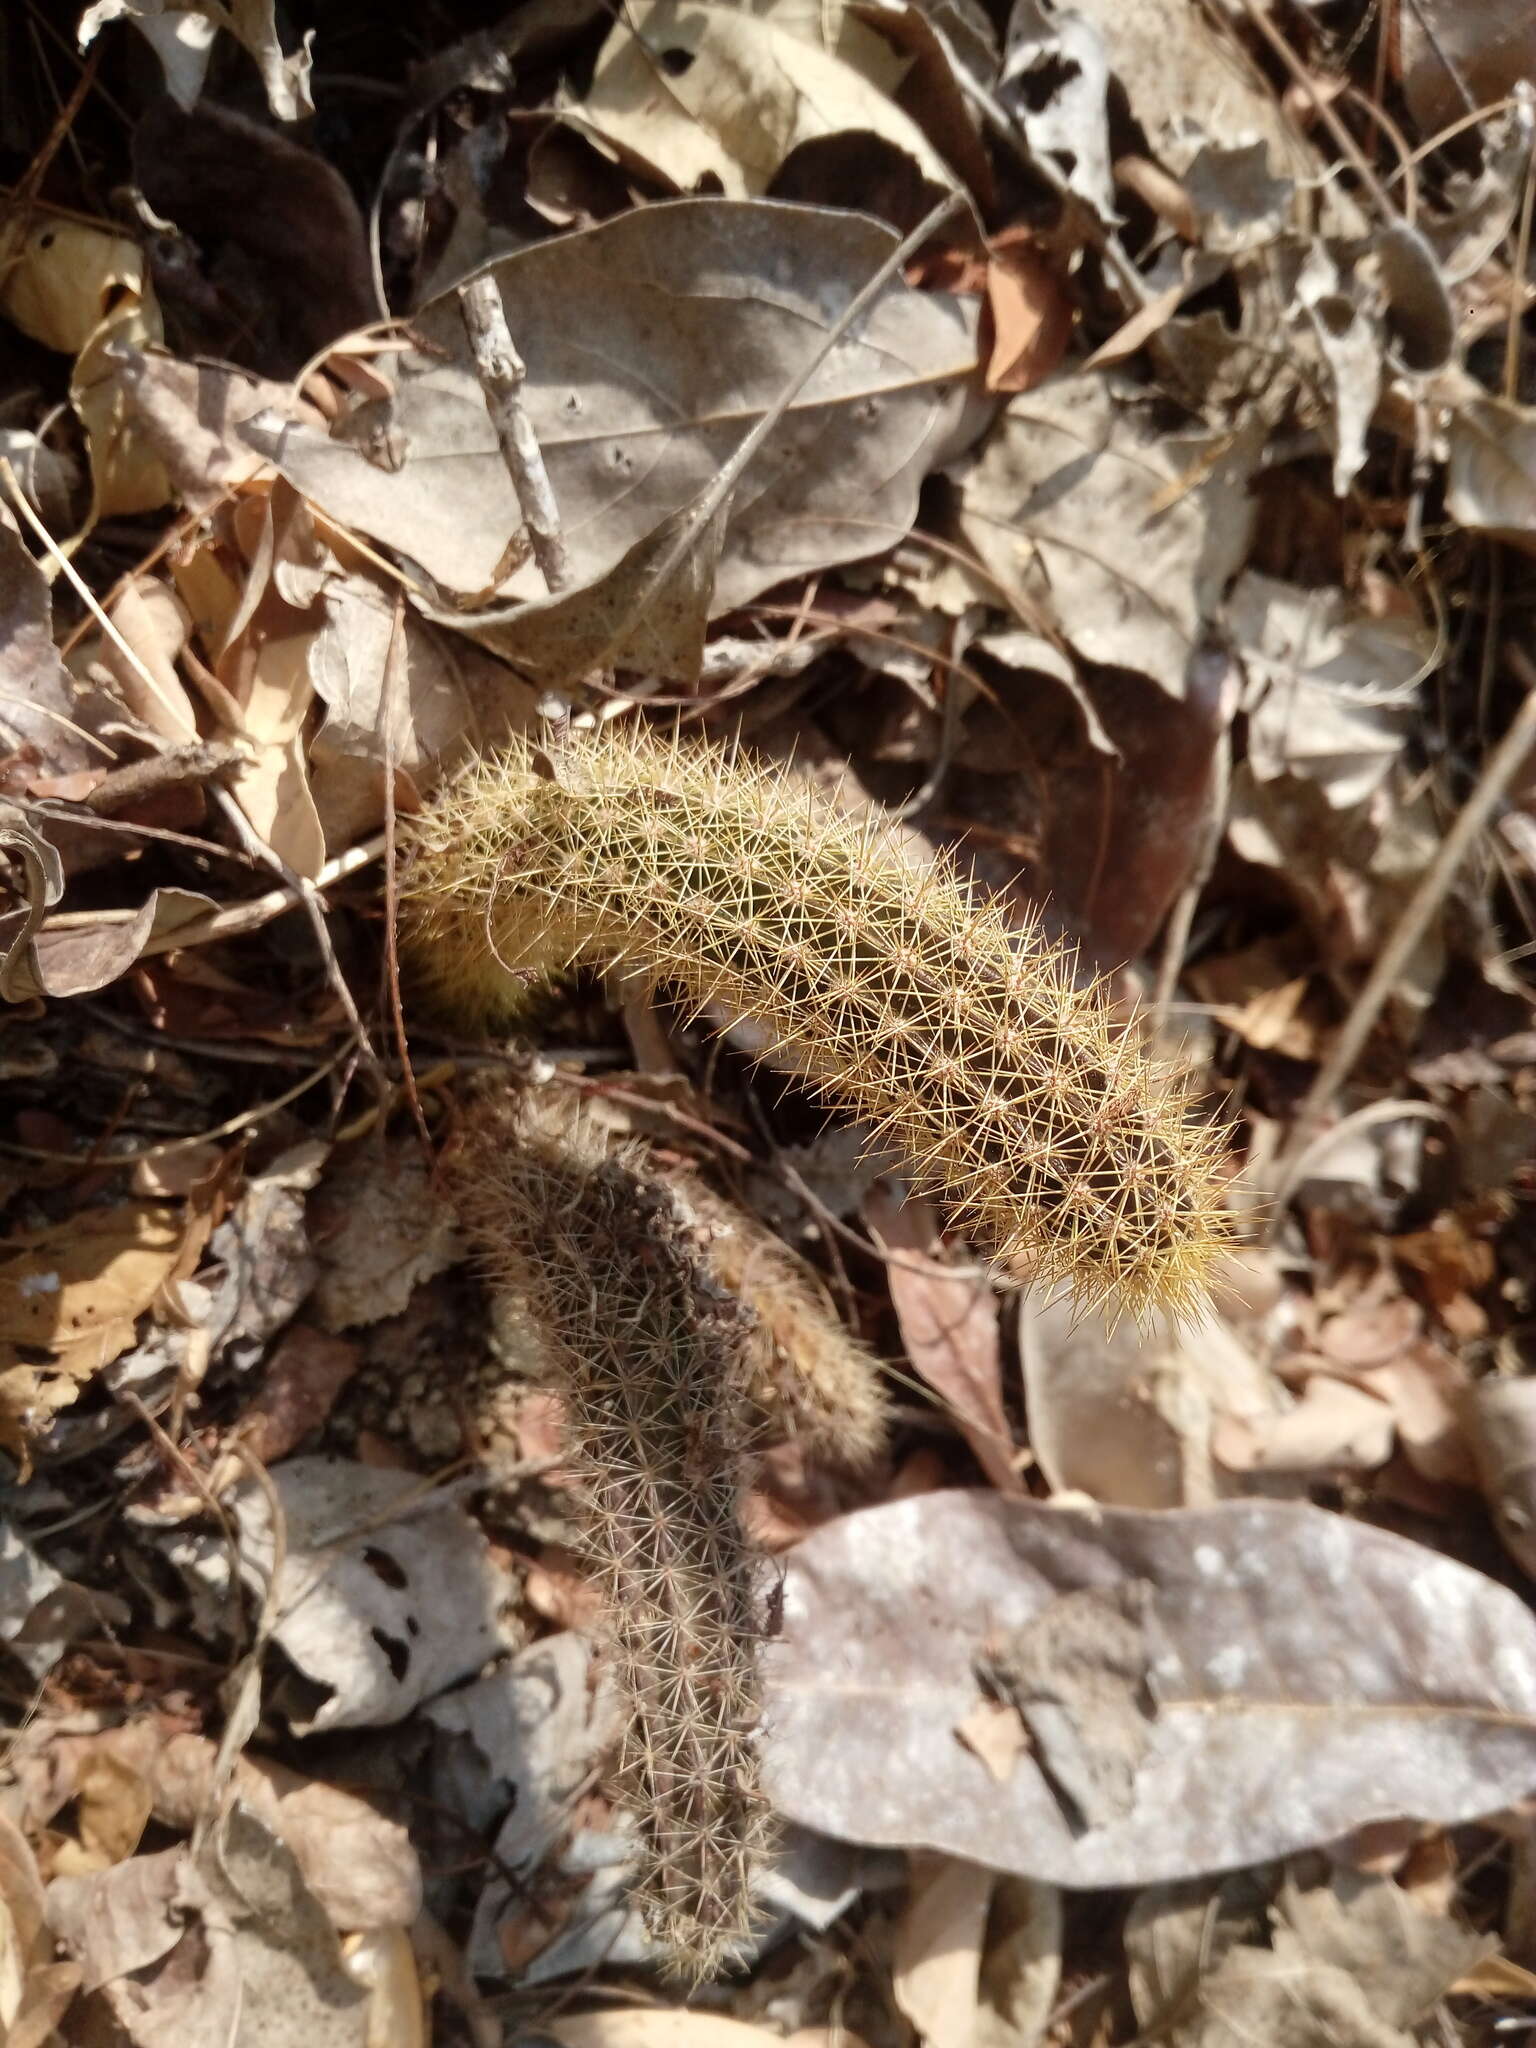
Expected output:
{"points": [[359, 1865], [1331, 688], [303, 1378], [949, 1325], [1335, 1427], [1490, 482], [81, 958], [60, 1287], [1501, 1420], [1126, 1416], [703, 90], [997, 1735], [1055, 83], [84, 290], [153, 627], [706, 309], [936, 1958], [34, 1989], [1032, 315], [381, 1229], [181, 36], [1021, 1965], [247, 1957], [1309, 1674], [38, 708], [65, 276], [386, 1591], [1122, 535], [652, 2026]]}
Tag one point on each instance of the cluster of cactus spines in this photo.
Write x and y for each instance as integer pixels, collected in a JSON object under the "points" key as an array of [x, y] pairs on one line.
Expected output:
{"points": [[813, 1380], [650, 1356], [969, 1046]]}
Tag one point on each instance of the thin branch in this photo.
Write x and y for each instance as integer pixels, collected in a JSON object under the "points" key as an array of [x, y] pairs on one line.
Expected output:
{"points": [[309, 897], [1503, 765], [503, 373], [394, 689]]}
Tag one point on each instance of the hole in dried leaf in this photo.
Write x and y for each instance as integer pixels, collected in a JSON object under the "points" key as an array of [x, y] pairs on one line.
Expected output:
{"points": [[383, 1566], [396, 1653]]}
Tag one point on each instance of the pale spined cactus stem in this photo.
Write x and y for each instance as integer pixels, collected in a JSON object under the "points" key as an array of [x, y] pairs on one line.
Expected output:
{"points": [[651, 1359], [969, 1046]]}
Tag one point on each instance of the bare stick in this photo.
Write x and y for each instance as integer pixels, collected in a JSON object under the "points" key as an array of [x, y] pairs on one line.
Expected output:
{"points": [[313, 904], [395, 682], [503, 373], [1505, 762]]}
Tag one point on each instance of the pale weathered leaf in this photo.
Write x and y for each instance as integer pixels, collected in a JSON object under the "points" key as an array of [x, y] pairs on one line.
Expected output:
{"points": [[1021, 1964], [654, 343], [1120, 534], [1331, 689], [1353, 1961], [1491, 477], [1349, 338], [1501, 1418], [662, 2026], [381, 1228], [936, 1958], [699, 89], [949, 1324], [34, 1990], [385, 1594], [251, 1960], [182, 38], [38, 709], [1055, 83], [1308, 1674], [1126, 1416]]}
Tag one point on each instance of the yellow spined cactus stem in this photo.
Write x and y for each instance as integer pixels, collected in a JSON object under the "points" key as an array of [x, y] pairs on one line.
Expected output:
{"points": [[971, 1047], [650, 1357]]}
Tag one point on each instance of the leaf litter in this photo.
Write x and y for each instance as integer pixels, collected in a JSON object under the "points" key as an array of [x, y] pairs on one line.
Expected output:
{"points": [[1100, 437]]}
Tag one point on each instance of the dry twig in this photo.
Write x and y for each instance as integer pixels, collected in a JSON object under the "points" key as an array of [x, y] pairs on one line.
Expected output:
{"points": [[502, 374]]}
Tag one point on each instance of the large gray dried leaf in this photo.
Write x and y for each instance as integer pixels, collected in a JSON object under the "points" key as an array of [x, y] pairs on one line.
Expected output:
{"points": [[386, 1594], [1309, 1674], [654, 343], [1121, 534]]}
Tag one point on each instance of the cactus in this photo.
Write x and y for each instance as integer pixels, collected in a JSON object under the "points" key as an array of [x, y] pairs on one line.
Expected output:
{"points": [[969, 1046], [650, 1356], [813, 1382]]}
